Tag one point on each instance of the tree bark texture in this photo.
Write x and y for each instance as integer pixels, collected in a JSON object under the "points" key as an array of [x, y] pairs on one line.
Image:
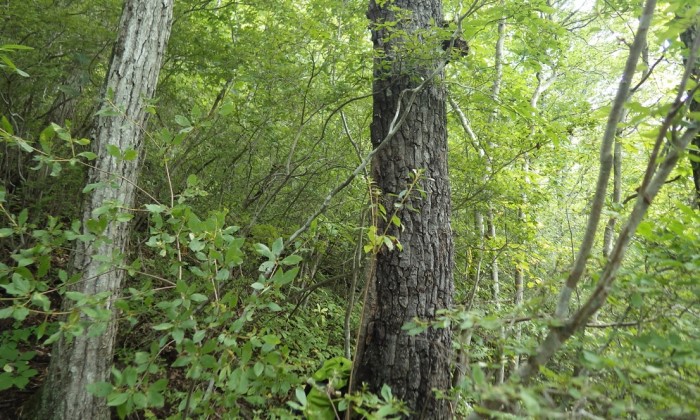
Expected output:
{"points": [[144, 30], [418, 281]]}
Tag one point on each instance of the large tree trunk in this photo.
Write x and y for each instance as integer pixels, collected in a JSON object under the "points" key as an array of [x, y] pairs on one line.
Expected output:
{"points": [[143, 34], [415, 282]]}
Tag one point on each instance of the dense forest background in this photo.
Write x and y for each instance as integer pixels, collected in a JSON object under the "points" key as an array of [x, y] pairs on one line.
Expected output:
{"points": [[242, 267]]}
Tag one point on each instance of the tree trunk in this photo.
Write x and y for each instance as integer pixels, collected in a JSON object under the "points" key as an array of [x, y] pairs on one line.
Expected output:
{"points": [[543, 83], [495, 282], [694, 154], [144, 30], [609, 235], [416, 282]]}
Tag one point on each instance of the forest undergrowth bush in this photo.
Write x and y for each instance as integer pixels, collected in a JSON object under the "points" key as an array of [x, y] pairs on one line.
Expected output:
{"points": [[201, 333]]}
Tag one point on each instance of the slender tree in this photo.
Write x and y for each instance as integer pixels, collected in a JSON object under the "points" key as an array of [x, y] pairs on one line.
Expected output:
{"points": [[79, 361], [416, 282], [654, 178], [688, 37]]}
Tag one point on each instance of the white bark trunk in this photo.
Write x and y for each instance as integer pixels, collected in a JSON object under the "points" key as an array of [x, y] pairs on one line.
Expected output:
{"points": [[132, 78], [495, 282]]}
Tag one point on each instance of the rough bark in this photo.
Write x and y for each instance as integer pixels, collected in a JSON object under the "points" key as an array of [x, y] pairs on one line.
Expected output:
{"points": [[136, 60], [416, 282]]}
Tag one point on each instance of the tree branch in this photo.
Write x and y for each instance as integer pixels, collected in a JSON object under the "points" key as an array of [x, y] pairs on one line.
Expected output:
{"points": [[606, 160]]}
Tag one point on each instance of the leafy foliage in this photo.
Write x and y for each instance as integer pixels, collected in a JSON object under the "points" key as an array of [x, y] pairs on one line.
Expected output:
{"points": [[262, 109]]}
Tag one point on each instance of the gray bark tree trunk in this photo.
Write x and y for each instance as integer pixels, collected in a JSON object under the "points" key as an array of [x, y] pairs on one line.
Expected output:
{"points": [[144, 30], [418, 281], [609, 235]]}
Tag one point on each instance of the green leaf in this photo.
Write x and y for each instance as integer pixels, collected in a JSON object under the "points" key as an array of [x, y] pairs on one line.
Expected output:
{"points": [[24, 145], [530, 402], [116, 399], [163, 326], [263, 250], [226, 109], [130, 376], [195, 245], [155, 208], [478, 375], [140, 400], [75, 296], [223, 275], [6, 381], [124, 217], [386, 392], [178, 335], [15, 47], [283, 278], [41, 301], [182, 121], [199, 336], [301, 396], [192, 180], [90, 187], [52, 338], [23, 216], [182, 361], [6, 126], [388, 242], [114, 151], [291, 260], [21, 313], [385, 411], [198, 297], [6, 312], [274, 307], [130, 154], [88, 155], [258, 368], [155, 396], [277, 247], [5, 232], [19, 286], [100, 389]]}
